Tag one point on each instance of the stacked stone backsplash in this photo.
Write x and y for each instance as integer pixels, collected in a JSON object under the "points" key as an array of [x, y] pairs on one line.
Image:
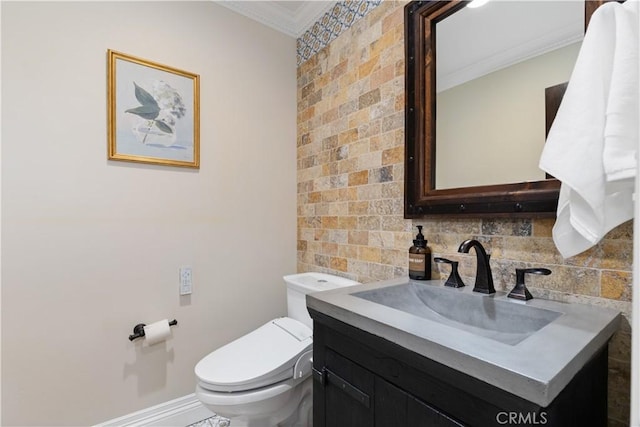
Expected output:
{"points": [[350, 149]]}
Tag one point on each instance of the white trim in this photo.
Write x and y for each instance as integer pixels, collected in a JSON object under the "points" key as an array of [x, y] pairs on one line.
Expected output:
{"points": [[635, 297], [278, 17], [270, 15], [310, 13], [522, 52], [179, 412], [635, 310]]}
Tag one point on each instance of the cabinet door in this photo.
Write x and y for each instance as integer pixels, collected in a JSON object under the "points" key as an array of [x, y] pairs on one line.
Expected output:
{"points": [[347, 393], [395, 407], [354, 397], [421, 414], [390, 405]]}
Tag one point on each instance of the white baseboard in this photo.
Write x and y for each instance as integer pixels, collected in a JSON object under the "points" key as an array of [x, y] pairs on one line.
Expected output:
{"points": [[179, 412]]}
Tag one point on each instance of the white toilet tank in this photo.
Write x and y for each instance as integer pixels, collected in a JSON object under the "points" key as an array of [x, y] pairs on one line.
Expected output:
{"points": [[299, 285]]}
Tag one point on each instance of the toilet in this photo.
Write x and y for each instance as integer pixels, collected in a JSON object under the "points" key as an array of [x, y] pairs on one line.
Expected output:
{"points": [[263, 379]]}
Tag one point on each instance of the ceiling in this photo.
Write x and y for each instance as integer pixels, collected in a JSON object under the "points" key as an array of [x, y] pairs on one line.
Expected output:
{"points": [[288, 16], [475, 43]]}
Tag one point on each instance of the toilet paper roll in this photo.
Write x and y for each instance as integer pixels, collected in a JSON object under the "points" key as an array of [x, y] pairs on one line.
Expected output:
{"points": [[157, 332]]}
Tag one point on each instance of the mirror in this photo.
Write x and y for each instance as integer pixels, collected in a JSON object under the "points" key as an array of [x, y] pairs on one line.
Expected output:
{"points": [[468, 75], [490, 87]]}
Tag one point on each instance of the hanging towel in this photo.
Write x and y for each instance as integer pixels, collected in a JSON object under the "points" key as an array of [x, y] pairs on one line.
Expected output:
{"points": [[592, 145]]}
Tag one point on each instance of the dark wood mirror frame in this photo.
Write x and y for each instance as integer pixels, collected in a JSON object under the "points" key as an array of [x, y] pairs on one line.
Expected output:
{"points": [[528, 199]]}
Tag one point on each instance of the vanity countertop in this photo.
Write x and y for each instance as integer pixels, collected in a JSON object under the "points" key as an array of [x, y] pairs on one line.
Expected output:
{"points": [[536, 369]]}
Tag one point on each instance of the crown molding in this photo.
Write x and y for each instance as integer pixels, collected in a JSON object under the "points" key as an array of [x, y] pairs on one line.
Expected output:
{"points": [[278, 17], [539, 46], [310, 13]]}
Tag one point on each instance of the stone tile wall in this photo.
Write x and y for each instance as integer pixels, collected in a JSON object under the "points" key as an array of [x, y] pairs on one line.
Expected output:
{"points": [[350, 193], [341, 16]]}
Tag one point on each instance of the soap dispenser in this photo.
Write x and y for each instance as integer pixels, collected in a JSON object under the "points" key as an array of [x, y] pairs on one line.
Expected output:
{"points": [[420, 258]]}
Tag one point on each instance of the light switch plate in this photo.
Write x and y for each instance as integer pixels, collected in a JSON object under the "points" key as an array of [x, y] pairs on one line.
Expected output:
{"points": [[186, 280]]}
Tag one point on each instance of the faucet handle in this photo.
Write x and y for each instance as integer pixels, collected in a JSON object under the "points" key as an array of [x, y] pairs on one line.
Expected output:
{"points": [[454, 280], [520, 291]]}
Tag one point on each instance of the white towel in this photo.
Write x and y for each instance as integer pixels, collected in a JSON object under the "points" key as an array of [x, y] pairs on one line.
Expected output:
{"points": [[593, 143]]}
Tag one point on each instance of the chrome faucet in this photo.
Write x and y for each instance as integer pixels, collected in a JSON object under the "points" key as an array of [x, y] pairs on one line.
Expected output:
{"points": [[484, 278]]}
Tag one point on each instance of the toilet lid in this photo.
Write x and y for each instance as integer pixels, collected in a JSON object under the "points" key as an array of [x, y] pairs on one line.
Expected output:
{"points": [[260, 358]]}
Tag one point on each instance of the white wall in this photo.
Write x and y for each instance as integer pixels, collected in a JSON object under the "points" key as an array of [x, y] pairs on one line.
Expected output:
{"points": [[91, 247], [498, 121]]}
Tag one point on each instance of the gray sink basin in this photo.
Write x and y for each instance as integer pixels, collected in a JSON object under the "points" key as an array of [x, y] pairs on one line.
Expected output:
{"points": [[508, 322], [531, 349]]}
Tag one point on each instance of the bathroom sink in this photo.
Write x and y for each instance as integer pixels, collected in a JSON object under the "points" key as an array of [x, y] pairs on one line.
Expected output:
{"points": [[531, 349], [508, 322]]}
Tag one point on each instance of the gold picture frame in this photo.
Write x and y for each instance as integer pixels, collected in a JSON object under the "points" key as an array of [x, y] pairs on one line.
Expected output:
{"points": [[153, 112]]}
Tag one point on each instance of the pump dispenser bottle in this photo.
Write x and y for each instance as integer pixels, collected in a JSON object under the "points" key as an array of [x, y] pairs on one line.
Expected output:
{"points": [[419, 258]]}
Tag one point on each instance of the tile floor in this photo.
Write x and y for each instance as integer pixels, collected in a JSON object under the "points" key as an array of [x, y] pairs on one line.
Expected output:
{"points": [[215, 421]]}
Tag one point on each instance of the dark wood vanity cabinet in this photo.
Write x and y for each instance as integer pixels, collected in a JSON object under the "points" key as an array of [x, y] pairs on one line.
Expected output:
{"points": [[354, 397], [364, 380]]}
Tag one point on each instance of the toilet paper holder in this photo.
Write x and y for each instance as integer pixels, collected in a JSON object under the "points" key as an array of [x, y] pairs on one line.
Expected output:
{"points": [[138, 330]]}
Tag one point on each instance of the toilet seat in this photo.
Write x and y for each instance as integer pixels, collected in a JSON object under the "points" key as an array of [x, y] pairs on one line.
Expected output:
{"points": [[245, 397], [263, 357]]}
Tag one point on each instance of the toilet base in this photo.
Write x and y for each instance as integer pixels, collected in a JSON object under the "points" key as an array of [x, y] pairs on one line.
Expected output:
{"points": [[302, 416], [288, 404]]}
